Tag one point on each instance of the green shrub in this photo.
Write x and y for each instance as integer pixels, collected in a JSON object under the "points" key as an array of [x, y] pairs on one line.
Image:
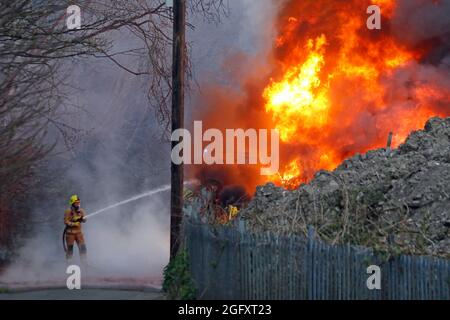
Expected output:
{"points": [[178, 283]]}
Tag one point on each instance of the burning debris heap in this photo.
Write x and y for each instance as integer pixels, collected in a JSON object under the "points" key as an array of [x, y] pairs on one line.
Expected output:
{"points": [[396, 201]]}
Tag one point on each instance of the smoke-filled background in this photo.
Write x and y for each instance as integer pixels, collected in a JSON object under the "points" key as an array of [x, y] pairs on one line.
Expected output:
{"points": [[111, 147], [116, 152], [356, 85]]}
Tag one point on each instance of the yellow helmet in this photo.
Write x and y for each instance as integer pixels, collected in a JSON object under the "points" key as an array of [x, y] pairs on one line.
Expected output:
{"points": [[73, 199], [232, 211]]}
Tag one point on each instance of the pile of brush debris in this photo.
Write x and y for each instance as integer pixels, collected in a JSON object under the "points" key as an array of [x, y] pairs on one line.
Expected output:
{"points": [[395, 201]]}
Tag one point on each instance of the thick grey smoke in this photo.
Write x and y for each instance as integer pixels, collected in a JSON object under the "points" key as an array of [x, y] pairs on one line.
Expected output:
{"points": [[118, 153], [422, 24], [425, 23], [248, 32], [420, 20]]}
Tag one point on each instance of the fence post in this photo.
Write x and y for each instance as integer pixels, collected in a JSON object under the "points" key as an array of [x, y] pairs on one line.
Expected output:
{"points": [[263, 265]]}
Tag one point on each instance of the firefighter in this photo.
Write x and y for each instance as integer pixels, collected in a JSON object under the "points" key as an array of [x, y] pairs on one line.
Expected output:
{"points": [[232, 212], [73, 218]]}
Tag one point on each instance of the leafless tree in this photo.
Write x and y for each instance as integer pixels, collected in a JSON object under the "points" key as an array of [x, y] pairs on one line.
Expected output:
{"points": [[34, 45]]}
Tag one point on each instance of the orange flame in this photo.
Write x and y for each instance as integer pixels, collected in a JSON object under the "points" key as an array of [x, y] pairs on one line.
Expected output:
{"points": [[330, 81], [332, 87], [299, 95]]}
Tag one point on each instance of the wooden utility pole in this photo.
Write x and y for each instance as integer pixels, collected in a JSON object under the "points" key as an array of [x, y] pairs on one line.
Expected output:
{"points": [[178, 68]]}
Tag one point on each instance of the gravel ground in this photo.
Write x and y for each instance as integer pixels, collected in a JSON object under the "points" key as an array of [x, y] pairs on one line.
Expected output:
{"points": [[392, 200]]}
